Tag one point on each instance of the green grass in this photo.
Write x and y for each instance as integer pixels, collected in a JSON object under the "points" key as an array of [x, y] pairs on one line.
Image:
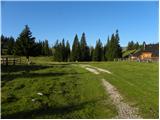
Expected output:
{"points": [[137, 82], [68, 92]]}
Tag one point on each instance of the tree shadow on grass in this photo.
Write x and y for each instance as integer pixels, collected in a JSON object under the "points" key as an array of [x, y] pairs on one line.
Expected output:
{"points": [[44, 110], [19, 68], [9, 77]]}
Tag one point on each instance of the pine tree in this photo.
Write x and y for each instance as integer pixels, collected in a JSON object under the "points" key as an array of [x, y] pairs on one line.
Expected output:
{"points": [[130, 45], [106, 49], [67, 51], [98, 52], [63, 50], [118, 47], [91, 53], [114, 50], [10, 46], [46, 48], [136, 45], [110, 49], [76, 52], [25, 43], [84, 49], [57, 51]]}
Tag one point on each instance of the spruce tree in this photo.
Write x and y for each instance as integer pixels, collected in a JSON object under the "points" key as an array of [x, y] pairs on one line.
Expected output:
{"points": [[98, 51], [25, 43], [84, 49], [63, 50], [76, 52], [130, 45], [46, 48], [67, 51], [91, 53], [114, 49], [118, 47], [106, 49], [10, 46]]}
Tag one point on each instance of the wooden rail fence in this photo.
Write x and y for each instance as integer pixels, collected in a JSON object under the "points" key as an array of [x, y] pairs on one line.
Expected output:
{"points": [[10, 60]]}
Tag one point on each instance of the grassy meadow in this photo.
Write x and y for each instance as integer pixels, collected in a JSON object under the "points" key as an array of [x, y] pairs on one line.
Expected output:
{"points": [[137, 82], [70, 91]]}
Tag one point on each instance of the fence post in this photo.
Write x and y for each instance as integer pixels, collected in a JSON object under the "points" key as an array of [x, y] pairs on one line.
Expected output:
{"points": [[14, 61], [6, 61], [20, 60]]}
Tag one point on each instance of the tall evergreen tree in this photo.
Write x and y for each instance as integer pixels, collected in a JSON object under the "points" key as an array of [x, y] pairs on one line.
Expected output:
{"points": [[46, 48], [67, 51], [57, 51], [114, 49], [130, 45], [76, 52], [98, 52], [136, 45], [25, 43], [110, 49], [106, 49], [91, 53], [84, 49], [118, 47], [63, 50], [10, 46]]}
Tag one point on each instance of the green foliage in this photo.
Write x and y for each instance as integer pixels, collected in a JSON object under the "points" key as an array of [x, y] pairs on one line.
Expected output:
{"points": [[98, 51], [85, 54], [25, 43], [113, 49], [132, 45], [61, 51], [7, 45], [76, 49]]}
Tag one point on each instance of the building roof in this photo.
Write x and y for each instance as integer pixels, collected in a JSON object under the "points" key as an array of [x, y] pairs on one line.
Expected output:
{"points": [[153, 48]]}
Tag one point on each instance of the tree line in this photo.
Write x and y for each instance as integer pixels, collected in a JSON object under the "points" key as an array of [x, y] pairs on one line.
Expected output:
{"points": [[25, 45], [82, 52]]}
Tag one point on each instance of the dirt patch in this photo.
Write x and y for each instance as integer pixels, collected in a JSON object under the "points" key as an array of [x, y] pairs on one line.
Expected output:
{"points": [[98, 69], [92, 70], [125, 111], [102, 70]]}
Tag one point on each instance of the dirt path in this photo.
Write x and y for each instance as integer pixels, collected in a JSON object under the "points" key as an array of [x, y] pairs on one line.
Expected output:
{"points": [[92, 70], [96, 68], [125, 111]]}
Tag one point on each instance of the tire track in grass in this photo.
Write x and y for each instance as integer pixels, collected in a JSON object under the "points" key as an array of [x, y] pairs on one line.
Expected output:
{"points": [[125, 111]]}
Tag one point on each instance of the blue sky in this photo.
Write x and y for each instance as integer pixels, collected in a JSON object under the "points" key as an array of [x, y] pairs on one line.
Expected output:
{"points": [[137, 21]]}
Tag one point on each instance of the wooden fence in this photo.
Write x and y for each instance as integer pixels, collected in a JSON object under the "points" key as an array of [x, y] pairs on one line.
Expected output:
{"points": [[153, 59], [10, 60]]}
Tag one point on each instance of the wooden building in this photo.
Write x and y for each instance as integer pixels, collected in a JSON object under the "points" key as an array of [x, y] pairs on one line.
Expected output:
{"points": [[149, 52]]}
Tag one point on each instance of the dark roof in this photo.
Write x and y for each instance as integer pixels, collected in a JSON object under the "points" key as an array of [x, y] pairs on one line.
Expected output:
{"points": [[153, 48]]}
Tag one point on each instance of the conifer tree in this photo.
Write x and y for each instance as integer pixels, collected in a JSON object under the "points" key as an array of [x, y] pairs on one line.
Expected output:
{"points": [[106, 49], [98, 51], [76, 52], [67, 51], [118, 47], [25, 43], [84, 49], [10, 45]]}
